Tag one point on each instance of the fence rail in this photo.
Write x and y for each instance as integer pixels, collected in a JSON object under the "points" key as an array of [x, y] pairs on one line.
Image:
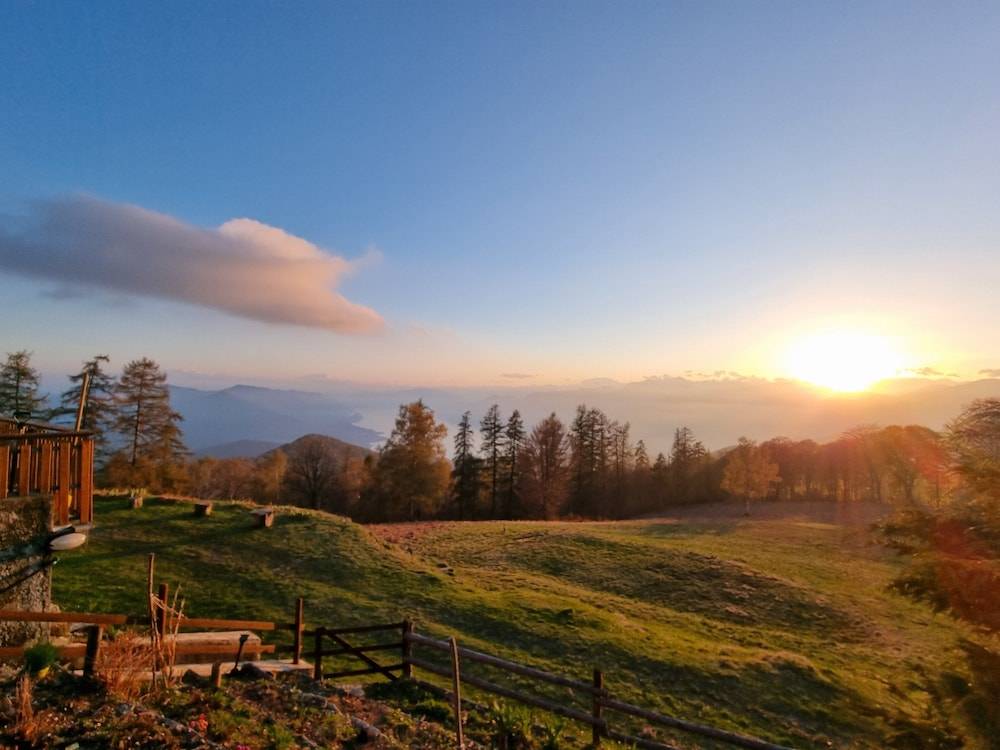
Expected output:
{"points": [[332, 642]]}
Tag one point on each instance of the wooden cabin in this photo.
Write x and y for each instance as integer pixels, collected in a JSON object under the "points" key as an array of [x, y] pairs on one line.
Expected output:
{"points": [[45, 459]]}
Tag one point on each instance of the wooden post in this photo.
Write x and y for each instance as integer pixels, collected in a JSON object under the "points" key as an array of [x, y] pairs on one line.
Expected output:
{"points": [[4, 469], [161, 613], [299, 626], [94, 633], [318, 655], [598, 708], [63, 493], [456, 688], [85, 501], [45, 473], [407, 649], [24, 469], [216, 679]]}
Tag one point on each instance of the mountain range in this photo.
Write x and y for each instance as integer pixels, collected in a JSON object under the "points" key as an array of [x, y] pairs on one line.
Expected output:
{"points": [[718, 410]]}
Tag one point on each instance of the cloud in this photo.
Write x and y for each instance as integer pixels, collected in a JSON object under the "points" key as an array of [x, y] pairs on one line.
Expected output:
{"points": [[991, 372], [243, 267], [516, 375]]}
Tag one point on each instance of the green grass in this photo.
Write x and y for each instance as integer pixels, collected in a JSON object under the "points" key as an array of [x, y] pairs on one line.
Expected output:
{"points": [[780, 629]]}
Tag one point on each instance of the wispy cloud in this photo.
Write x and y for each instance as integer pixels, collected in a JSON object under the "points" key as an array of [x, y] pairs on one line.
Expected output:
{"points": [[243, 267], [516, 375], [990, 372]]}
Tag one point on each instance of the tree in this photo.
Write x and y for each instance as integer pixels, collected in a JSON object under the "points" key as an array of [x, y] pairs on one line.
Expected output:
{"points": [[686, 455], [268, 476], [20, 395], [409, 480], [544, 472], [513, 445], [311, 477], [491, 429], [465, 474], [973, 440], [149, 427], [99, 411], [749, 473]]}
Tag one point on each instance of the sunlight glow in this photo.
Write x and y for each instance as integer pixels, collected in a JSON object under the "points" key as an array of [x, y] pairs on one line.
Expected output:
{"points": [[843, 360]]}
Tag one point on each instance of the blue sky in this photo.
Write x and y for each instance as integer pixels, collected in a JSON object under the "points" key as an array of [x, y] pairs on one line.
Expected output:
{"points": [[563, 190]]}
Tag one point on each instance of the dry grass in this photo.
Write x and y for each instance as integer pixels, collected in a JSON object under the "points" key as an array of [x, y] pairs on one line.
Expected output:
{"points": [[123, 663], [29, 725]]}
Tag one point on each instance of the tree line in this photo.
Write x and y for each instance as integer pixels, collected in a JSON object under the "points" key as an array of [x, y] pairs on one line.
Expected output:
{"points": [[498, 468]]}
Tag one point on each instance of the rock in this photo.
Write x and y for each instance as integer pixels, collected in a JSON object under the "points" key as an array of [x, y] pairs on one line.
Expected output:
{"points": [[365, 730], [315, 699], [251, 671], [123, 708], [190, 677]]}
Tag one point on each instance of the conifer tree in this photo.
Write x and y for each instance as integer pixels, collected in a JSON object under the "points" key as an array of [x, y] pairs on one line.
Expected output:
{"points": [[20, 395], [514, 437], [465, 471], [99, 412], [492, 430], [149, 428]]}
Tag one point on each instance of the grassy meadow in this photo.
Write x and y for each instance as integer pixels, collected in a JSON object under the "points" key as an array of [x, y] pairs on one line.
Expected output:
{"points": [[782, 628]]}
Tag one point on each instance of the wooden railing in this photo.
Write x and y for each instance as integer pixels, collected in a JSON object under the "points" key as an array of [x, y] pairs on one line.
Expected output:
{"points": [[45, 459], [592, 693]]}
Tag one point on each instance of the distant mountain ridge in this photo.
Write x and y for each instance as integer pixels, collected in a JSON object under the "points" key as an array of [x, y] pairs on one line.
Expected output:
{"points": [[213, 419]]}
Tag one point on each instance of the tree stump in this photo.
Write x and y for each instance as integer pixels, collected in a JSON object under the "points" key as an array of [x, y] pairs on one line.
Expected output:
{"points": [[135, 501], [202, 509]]}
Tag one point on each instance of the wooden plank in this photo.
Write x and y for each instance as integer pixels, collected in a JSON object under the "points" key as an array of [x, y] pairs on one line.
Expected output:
{"points": [[597, 708], [24, 469], [223, 648], [490, 687], [87, 618], [214, 624], [359, 672], [74, 651], [495, 661], [85, 500], [4, 469], [456, 692], [700, 729], [360, 654], [363, 629], [62, 494], [364, 649], [299, 627], [45, 475]]}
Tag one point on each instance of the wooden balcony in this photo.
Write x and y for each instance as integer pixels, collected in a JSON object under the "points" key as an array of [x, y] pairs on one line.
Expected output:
{"points": [[45, 459]]}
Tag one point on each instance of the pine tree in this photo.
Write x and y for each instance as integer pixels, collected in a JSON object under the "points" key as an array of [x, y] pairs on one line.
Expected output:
{"points": [[465, 471], [545, 473], [19, 388], [514, 437], [99, 413], [492, 430], [149, 427]]}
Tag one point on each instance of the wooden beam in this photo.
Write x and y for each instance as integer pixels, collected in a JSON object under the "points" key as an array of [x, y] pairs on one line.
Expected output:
{"points": [[62, 494], [24, 469], [4, 469], [89, 618], [45, 475], [85, 500]]}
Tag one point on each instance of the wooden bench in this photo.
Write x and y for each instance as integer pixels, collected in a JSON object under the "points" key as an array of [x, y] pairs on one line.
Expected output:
{"points": [[264, 516], [203, 509]]}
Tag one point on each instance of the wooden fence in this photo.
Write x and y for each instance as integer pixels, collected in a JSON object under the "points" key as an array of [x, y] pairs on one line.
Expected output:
{"points": [[593, 692], [44, 459]]}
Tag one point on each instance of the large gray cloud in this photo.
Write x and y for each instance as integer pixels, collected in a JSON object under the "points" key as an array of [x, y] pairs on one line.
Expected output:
{"points": [[243, 267]]}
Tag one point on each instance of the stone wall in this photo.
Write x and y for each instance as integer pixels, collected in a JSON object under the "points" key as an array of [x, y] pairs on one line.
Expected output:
{"points": [[24, 520]]}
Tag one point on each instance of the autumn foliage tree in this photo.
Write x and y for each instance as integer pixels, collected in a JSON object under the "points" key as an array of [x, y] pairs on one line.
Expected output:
{"points": [[409, 479], [749, 473]]}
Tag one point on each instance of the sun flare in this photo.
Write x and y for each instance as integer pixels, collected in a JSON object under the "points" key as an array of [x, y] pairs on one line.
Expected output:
{"points": [[847, 361]]}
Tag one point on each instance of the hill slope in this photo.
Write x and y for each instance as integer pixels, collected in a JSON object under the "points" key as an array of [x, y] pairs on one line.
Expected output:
{"points": [[781, 629]]}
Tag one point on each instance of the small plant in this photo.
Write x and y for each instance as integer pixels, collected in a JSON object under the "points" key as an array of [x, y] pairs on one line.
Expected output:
{"points": [[122, 664], [511, 727], [38, 659], [553, 733]]}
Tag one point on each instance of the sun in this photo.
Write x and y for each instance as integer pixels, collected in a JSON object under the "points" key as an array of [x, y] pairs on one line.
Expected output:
{"points": [[841, 360]]}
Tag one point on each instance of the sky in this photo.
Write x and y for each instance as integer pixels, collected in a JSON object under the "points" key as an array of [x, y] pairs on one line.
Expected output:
{"points": [[527, 193]]}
